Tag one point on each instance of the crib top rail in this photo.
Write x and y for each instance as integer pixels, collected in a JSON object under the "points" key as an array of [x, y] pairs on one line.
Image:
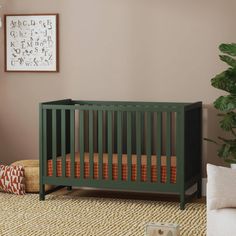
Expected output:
{"points": [[70, 104]]}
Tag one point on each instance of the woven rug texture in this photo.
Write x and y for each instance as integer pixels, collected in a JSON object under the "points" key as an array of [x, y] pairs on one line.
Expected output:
{"points": [[70, 214]]}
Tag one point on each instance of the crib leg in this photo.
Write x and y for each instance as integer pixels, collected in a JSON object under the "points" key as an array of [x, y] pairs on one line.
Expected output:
{"points": [[199, 188], [69, 188], [182, 201], [42, 192]]}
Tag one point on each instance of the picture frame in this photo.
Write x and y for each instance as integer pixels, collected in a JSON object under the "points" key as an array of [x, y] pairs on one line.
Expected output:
{"points": [[31, 42]]}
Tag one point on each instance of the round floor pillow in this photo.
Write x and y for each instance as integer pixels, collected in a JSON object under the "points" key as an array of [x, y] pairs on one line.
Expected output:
{"points": [[31, 170]]}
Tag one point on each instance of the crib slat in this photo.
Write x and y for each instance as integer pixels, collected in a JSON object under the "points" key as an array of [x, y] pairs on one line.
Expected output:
{"points": [[142, 132], [159, 145], [138, 144], [81, 142], [100, 144], [109, 142], [54, 142], [63, 142], [119, 143], [129, 145], [45, 148], [91, 144], [149, 146], [114, 128], [72, 143], [168, 145], [133, 125]]}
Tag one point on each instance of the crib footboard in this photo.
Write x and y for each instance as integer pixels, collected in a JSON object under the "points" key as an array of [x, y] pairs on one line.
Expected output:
{"points": [[128, 146]]}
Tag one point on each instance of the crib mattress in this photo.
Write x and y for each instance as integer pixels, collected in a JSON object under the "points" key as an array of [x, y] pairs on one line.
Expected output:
{"points": [[124, 167]]}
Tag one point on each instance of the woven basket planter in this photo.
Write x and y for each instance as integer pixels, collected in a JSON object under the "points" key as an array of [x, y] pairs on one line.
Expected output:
{"points": [[31, 168]]}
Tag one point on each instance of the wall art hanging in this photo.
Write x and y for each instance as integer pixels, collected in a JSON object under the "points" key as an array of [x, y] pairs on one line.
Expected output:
{"points": [[31, 43]]}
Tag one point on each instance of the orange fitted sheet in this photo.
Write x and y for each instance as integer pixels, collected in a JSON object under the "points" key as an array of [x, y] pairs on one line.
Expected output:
{"points": [[124, 167]]}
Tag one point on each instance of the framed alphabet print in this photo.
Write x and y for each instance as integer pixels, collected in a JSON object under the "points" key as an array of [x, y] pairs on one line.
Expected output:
{"points": [[31, 43]]}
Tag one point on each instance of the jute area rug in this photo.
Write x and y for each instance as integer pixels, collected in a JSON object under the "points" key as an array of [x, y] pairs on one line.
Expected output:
{"points": [[72, 213]]}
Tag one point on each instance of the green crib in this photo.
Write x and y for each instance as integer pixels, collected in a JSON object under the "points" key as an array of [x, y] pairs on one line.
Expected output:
{"points": [[130, 146]]}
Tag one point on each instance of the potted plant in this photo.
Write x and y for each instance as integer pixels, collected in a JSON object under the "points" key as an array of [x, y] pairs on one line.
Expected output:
{"points": [[226, 104]]}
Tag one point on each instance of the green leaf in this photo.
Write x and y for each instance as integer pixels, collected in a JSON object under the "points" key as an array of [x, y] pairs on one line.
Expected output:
{"points": [[224, 151], [229, 121], [229, 60], [225, 103], [225, 81], [229, 49], [227, 151]]}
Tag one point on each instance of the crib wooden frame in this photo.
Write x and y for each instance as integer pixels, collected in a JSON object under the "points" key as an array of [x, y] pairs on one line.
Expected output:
{"points": [[57, 127]]}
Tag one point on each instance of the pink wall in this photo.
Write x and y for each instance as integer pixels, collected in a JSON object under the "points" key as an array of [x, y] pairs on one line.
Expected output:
{"points": [[150, 50]]}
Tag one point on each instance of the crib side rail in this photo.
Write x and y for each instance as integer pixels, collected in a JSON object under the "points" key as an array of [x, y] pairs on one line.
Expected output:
{"points": [[136, 138]]}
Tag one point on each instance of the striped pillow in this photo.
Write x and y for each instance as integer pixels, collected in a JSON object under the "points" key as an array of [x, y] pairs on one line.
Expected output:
{"points": [[12, 179]]}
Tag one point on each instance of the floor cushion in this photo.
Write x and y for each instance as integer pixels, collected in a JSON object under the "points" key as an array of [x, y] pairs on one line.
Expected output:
{"points": [[31, 168]]}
